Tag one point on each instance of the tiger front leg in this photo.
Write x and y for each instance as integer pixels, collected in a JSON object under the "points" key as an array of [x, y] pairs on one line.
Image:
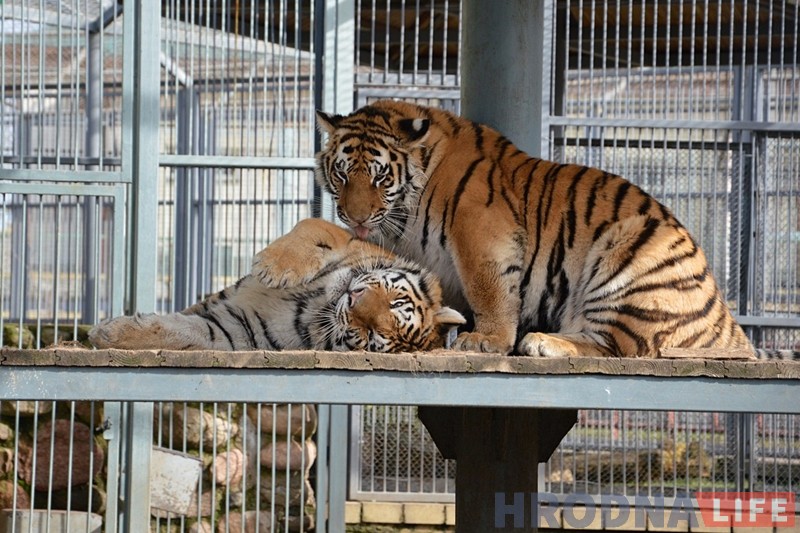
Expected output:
{"points": [[561, 345], [298, 256], [490, 272]]}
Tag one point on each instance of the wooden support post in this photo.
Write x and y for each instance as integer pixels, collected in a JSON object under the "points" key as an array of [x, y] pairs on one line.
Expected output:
{"points": [[497, 451]]}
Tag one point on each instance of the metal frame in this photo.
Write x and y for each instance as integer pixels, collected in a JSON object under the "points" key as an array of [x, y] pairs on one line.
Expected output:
{"points": [[398, 388]]}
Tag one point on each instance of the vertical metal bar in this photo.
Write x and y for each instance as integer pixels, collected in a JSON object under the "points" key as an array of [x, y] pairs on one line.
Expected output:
{"points": [[337, 457], [111, 433], [137, 474]]}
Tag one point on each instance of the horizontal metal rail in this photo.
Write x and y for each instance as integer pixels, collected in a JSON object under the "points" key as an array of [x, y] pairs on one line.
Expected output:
{"points": [[577, 391], [87, 176], [633, 123], [282, 163]]}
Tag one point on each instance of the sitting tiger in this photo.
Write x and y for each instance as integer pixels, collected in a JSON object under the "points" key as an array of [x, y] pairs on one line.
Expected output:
{"points": [[551, 259], [315, 287]]}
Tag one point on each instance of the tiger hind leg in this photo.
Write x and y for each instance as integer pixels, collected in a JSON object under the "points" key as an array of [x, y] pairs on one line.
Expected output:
{"points": [[150, 332], [560, 345]]}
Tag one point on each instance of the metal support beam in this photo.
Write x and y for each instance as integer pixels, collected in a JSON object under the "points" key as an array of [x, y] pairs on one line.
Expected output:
{"points": [[144, 134], [502, 66]]}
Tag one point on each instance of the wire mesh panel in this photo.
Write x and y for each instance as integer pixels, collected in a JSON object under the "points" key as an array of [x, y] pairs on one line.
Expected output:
{"points": [[60, 121], [675, 454], [397, 457], [57, 266], [237, 138], [60, 85], [698, 105], [408, 50]]}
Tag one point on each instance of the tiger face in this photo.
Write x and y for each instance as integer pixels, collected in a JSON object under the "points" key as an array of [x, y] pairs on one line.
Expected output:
{"points": [[371, 175], [390, 309]]}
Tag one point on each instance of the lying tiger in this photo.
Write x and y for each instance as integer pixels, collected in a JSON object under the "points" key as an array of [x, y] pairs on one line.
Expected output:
{"points": [[552, 259], [316, 287]]}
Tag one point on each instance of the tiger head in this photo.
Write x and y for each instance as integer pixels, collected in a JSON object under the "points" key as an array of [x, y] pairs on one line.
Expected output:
{"points": [[389, 308], [370, 165]]}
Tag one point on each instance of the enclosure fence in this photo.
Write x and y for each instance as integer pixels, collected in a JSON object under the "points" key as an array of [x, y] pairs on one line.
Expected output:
{"points": [[142, 164]]}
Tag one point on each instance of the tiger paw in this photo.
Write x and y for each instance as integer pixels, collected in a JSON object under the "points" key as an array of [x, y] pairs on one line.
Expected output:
{"points": [[479, 342], [543, 345], [281, 266], [120, 332]]}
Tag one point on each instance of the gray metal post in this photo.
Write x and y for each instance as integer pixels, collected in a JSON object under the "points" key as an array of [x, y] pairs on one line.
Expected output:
{"points": [[94, 124], [505, 83], [337, 468], [502, 66], [337, 96], [146, 102], [143, 36]]}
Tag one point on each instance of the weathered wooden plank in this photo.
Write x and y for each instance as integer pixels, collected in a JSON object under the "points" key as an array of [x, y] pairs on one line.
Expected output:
{"points": [[753, 370], [74, 357], [338, 360], [29, 357], [789, 369], [187, 359], [300, 360], [688, 367], [715, 368], [584, 365], [240, 359], [492, 363], [705, 353], [541, 365], [140, 358], [644, 367], [404, 362], [441, 361]]}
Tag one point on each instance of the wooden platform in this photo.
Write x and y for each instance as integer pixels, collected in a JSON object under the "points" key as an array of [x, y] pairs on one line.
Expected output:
{"points": [[428, 362]]}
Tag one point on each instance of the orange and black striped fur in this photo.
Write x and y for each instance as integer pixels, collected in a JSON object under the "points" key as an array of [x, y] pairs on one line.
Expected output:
{"points": [[552, 259], [315, 287]]}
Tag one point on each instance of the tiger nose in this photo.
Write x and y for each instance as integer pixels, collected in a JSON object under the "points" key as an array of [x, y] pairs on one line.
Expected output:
{"points": [[354, 296]]}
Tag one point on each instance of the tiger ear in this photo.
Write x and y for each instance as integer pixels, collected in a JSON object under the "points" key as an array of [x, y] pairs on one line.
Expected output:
{"points": [[413, 130], [448, 320], [328, 123], [447, 317]]}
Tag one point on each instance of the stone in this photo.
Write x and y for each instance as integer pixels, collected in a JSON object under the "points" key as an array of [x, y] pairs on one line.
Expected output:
{"points": [[300, 490], [12, 334], [228, 468], [208, 501], [201, 527], [200, 426], [289, 454], [382, 512], [25, 408], [6, 461], [253, 521], [7, 490], [79, 498], [64, 472], [6, 432], [285, 418]]}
